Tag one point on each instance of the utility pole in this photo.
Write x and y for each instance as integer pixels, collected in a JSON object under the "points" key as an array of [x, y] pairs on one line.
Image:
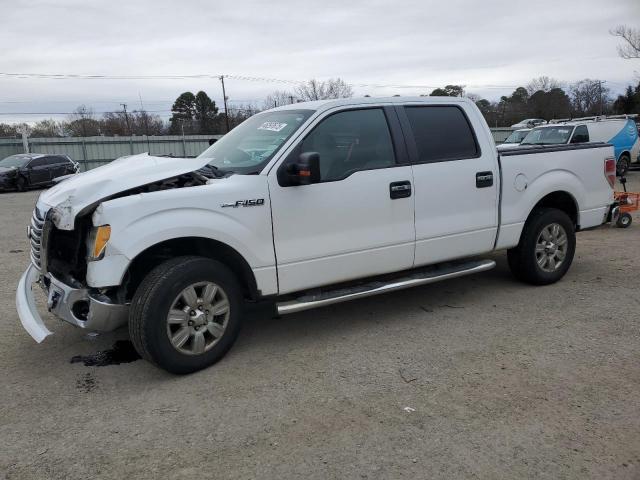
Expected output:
{"points": [[290, 99], [224, 98], [126, 117], [146, 123], [600, 82]]}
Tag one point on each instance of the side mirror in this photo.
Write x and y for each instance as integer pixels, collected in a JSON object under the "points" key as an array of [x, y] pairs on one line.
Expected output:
{"points": [[306, 170]]}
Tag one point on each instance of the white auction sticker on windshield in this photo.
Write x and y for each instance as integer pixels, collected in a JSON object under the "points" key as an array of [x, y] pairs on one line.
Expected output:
{"points": [[273, 126]]}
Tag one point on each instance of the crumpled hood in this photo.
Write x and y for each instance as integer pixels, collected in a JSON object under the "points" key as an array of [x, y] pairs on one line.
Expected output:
{"points": [[75, 194]]}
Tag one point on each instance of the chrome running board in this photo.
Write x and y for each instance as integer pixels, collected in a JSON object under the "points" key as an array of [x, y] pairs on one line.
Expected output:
{"points": [[321, 298]]}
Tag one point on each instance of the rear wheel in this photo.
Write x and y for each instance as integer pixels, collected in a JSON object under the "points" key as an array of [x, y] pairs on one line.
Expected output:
{"points": [[546, 248], [186, 314], [622, 166]]}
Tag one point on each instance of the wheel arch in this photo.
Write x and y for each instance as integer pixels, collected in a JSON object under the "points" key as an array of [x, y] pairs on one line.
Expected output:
{"points": [[562, 200], [625, 152], [202, 246]]}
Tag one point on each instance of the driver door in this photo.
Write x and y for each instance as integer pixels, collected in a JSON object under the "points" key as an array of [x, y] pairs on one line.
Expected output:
{"points": [[355, 222]]}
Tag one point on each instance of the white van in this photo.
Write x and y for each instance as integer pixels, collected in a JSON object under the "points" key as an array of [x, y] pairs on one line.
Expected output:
{"points": [[622, 133]]}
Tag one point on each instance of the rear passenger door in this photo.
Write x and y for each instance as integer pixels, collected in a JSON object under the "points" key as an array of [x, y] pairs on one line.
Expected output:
{"points": [[58, 166], [455, 182]]}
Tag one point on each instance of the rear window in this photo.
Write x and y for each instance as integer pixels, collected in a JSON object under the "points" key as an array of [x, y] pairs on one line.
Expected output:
{"points": [[442, 133]]}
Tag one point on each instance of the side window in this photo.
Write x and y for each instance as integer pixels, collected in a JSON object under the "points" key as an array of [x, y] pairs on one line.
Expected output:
{"points": [[38, 162], [351, 141], [53, 160], [580, 134], [442, 133]]}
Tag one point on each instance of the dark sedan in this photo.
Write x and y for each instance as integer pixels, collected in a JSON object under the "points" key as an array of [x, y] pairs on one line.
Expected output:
{"points": [[28, 170]]}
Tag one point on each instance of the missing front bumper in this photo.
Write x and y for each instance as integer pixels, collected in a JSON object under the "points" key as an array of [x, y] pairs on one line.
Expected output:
{"points": [[76, 306]]}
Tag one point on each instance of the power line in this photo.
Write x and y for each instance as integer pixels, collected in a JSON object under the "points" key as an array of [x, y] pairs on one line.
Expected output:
{"points": [[231, 109], [118, 102], [67, 76]]}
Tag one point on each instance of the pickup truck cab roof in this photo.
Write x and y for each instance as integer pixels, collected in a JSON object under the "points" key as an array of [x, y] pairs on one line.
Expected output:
{"points": [[323, 105]]}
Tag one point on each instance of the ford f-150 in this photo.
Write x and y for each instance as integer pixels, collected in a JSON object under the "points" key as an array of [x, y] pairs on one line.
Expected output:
{"points": [[303, 206]]}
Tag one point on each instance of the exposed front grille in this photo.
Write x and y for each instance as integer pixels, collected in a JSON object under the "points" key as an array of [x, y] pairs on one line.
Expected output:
{"points": [[35, 237]]}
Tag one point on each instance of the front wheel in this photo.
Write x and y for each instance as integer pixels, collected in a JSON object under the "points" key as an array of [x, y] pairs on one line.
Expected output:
{"points": [[186, 314], [546, 248]]}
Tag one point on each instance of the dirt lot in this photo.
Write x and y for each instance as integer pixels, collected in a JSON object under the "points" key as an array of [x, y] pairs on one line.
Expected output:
{"points": [[479, 377]]}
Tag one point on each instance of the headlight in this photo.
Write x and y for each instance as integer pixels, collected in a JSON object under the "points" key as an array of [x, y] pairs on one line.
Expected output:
{"points": [[98, 239]]}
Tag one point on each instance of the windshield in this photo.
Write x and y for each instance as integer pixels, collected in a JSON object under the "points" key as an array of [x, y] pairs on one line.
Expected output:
{"points": [[517, 136], [548, 136], [248, 147], [14, 161]]}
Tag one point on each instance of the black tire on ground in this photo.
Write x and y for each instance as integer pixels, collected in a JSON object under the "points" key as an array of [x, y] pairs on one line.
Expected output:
{"points": [[154, 298], [21, 184], [624, 220], [622, 165], [523, 260]]}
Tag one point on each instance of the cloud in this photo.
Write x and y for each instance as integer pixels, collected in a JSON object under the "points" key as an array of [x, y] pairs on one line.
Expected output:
{"points": [[412, 42]]}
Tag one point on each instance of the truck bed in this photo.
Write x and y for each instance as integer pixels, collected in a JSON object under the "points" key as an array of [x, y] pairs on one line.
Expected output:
{"points": [[529, 174]]}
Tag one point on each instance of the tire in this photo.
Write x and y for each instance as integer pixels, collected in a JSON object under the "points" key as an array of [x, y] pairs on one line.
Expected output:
{"points": [[537, 259], [21, 184], [150, 325], [624, 220], [622, 165]]}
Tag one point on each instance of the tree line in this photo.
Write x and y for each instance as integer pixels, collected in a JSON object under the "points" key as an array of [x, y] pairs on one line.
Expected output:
{"points": [[193, 114]]}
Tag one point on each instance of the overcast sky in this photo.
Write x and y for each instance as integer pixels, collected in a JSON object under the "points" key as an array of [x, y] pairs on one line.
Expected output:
{"points": [[480, 44]]}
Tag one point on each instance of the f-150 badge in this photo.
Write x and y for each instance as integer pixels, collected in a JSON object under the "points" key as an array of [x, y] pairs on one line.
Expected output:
{"points": [[256, 202]]}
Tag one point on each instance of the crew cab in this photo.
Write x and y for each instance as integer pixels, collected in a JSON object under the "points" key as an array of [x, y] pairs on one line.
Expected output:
{"points": [[303, 206]]}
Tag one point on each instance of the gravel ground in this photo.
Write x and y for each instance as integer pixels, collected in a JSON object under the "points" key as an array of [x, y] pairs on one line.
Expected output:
{"points": [[479, 377]]}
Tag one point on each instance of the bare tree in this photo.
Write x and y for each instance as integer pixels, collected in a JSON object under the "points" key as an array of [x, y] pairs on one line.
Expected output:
{"points": [[82, 123], [46, 128], [137, 122], [319, 90], [589, 97], [630, 47], [8, 130], [239, 114], [279, 97], [543, 83]]}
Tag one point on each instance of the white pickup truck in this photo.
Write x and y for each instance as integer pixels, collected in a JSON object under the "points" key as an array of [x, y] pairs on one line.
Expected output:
{"points": [[303, 206]]}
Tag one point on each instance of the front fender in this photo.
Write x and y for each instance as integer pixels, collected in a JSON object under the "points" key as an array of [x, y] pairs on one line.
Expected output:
{"points": [[141, 221]]}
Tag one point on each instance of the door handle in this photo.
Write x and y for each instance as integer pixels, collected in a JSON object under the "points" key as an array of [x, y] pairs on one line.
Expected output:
{"points": [[400, 189], [484, 179]]}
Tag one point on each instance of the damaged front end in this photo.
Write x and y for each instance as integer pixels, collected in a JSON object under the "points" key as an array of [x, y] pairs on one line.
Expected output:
{"points": [[58, 266], [59, 234]]}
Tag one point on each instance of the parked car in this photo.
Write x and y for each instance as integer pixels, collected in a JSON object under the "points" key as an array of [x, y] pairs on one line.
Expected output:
{"points": [[299, 207], [621, 133], [28, 170], [529, 123], [514, 139]]}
